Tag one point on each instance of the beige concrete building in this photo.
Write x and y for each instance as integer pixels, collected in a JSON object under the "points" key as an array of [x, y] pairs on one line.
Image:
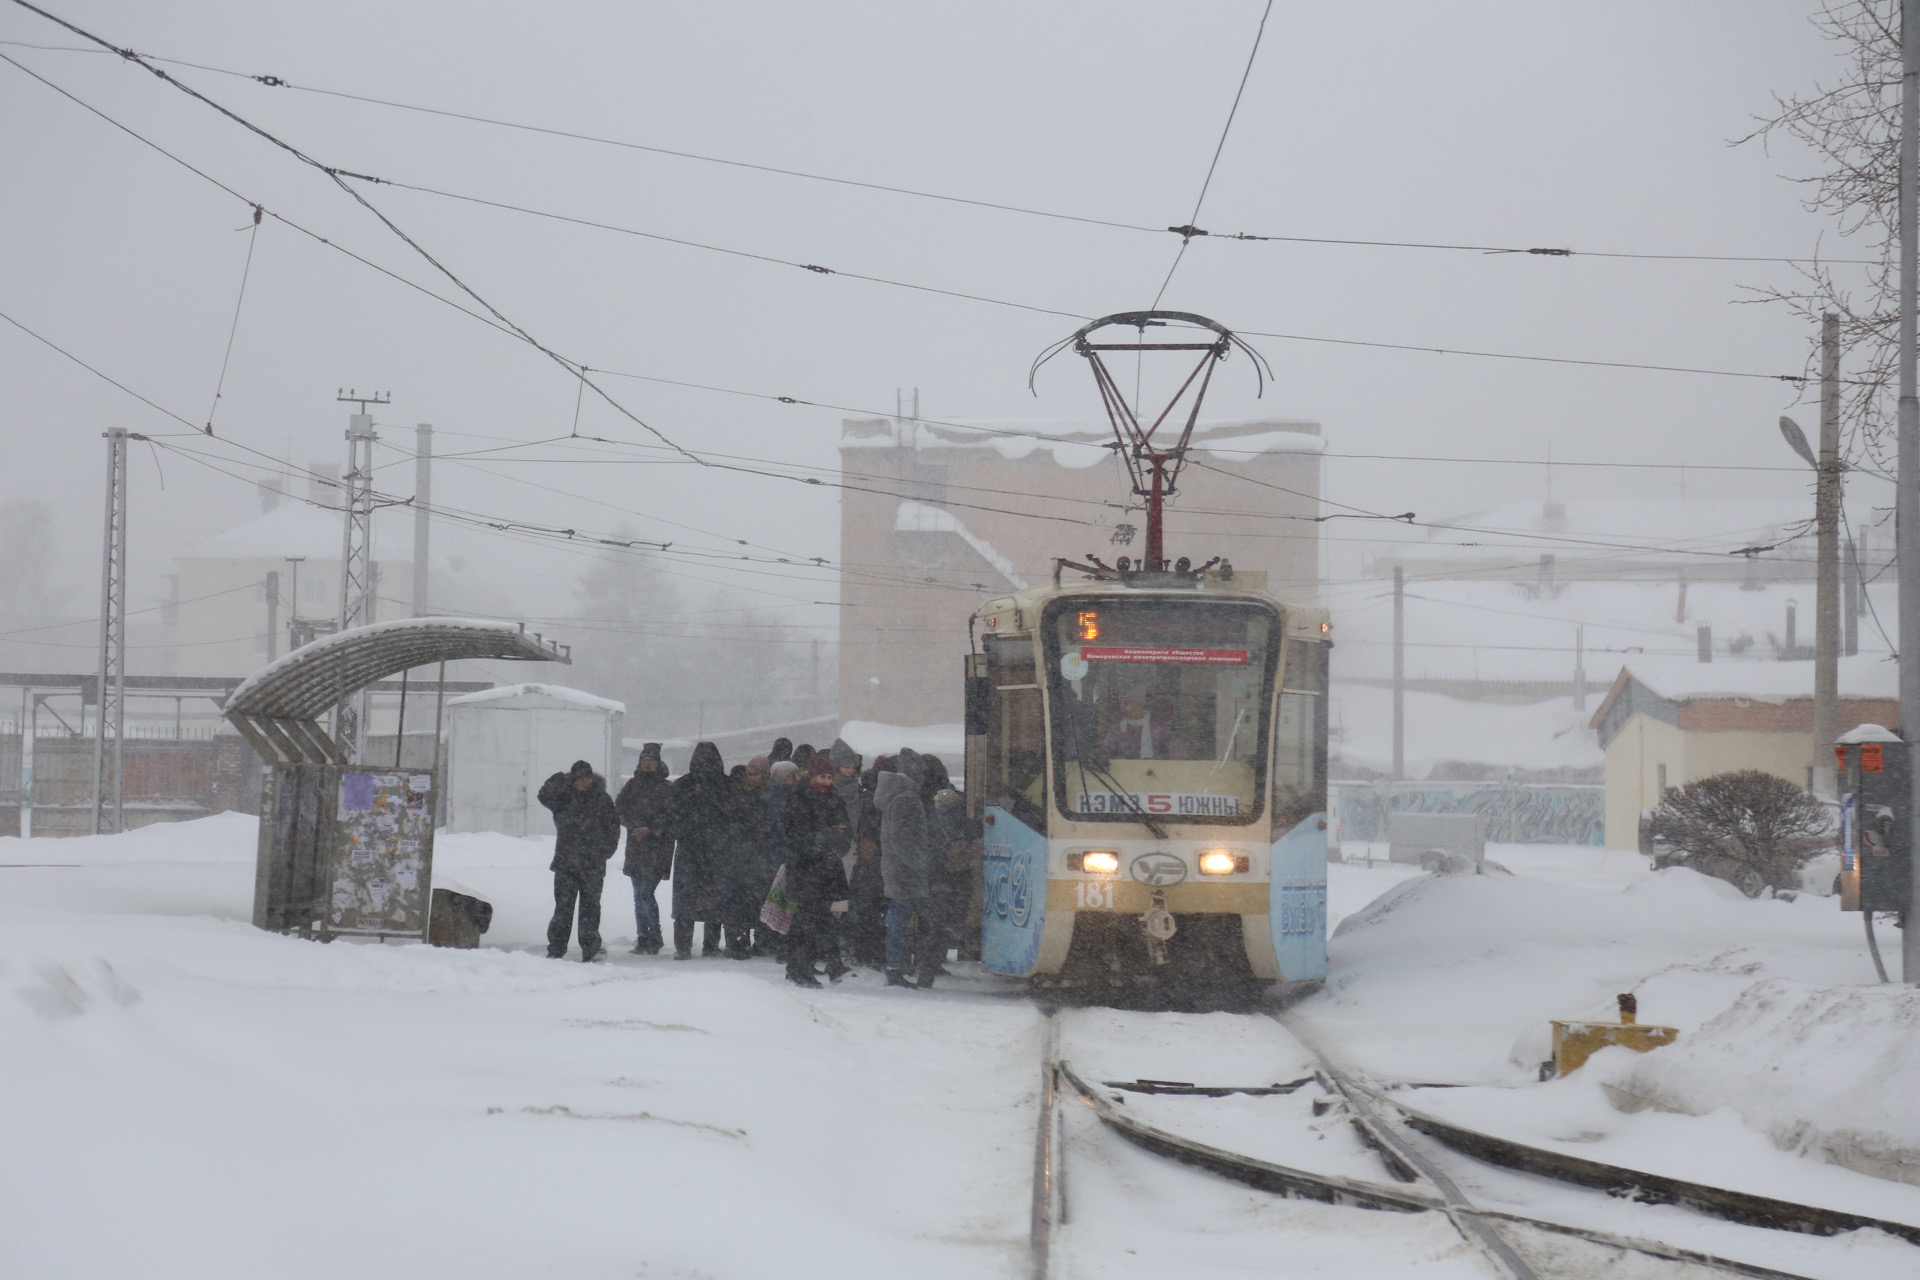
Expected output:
{"points": [[1664, 724], [934, 519]]}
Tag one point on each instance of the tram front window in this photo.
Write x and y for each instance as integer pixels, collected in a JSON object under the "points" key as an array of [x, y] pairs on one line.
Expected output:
{"points": [[1160, 708]]}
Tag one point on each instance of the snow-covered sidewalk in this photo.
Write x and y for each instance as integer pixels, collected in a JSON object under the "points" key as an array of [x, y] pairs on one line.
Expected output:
{"points": [[186, 1096]]}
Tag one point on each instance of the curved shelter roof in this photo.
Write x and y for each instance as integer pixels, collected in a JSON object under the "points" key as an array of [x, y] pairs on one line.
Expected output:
{"points": [[278, 708]]}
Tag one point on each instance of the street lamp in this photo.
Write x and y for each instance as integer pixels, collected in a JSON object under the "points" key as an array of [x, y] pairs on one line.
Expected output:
{"points": [[1826, 605]]}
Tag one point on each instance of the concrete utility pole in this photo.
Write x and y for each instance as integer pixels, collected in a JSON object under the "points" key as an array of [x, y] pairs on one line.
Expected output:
{"points": [[1580, 667], [273, 613], [422, 504], [293, 603], [1908, 507], [1826, 608], [110, 687], [1399, 674]]}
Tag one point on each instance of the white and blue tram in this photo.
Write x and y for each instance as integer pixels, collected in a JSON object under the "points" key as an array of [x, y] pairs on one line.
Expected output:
{"points": [[1148, 759]]}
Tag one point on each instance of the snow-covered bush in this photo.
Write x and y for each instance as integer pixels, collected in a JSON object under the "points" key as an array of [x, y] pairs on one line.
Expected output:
{"points": [[1750, 828]]}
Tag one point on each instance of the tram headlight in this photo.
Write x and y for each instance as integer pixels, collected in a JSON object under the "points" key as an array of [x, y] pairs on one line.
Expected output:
{"points": [[1099, 862], [1222, 862]]}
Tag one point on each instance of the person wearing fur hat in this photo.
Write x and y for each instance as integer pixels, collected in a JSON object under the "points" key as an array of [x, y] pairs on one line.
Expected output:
{"points": [[643, 805], [587, 832]]}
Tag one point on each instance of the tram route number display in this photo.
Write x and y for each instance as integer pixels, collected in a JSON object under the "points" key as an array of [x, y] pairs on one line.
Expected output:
{"points": [[1175, 804], [1162, 653]]}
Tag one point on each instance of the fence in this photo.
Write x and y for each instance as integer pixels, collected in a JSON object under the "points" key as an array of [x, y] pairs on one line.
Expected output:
{"points": [[1521, 813], [166, 779]]}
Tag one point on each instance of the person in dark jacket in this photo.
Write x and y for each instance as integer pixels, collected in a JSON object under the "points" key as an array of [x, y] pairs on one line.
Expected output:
{"points": [[750, 864], [588, 831], [906, 864], [782, 750], [815, 835], [644, 805], [802, 754], [702, 820], [866, 892]]}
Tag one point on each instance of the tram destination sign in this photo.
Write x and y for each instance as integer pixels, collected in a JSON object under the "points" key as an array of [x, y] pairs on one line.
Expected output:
{"points": [[1162, 653]]}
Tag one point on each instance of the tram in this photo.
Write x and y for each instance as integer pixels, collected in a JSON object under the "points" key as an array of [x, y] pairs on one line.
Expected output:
{"points": [[1147, 754]]}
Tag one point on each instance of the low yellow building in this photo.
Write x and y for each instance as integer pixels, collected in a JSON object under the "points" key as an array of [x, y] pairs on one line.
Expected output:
{"points": [[1666, 723]]}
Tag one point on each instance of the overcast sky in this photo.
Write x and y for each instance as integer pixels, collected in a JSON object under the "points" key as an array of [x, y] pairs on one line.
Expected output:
{"points": [[1594, 126]]}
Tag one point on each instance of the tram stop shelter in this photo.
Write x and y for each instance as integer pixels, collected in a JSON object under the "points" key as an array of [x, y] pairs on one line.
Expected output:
{"points": [[346, 846]]}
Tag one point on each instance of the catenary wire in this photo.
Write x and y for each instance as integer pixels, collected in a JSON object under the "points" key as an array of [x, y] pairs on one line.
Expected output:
{"points": [[1190, 231], [339, 178], [579, 369], [1193, 218]]}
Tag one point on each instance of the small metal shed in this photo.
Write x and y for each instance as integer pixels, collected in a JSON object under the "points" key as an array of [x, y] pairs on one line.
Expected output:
{"points": [[347, 846], [503, 742]]}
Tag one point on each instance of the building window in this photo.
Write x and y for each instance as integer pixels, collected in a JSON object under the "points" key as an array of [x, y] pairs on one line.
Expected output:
{"points": [[1660, 773]]}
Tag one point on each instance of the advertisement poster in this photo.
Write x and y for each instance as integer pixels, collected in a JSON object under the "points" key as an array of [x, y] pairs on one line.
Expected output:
{"points": [[1013, 909], [381, 872]]}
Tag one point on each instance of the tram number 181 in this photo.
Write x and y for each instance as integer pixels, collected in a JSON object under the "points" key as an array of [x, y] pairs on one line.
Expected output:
{"points": [[1093, 894]]}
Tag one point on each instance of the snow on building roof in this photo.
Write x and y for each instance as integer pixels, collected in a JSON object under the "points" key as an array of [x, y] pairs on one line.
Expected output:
{"points": [[1075, 444], [557, 692], [1677, 680], [921, 517], [290, 529]]}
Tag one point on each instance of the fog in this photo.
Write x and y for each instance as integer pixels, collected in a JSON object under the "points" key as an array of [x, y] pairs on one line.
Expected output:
{"points": [[1595, 128]]}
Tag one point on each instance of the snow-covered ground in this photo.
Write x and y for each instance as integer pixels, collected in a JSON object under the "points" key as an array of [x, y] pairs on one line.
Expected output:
{"points": [[188, 1096]]}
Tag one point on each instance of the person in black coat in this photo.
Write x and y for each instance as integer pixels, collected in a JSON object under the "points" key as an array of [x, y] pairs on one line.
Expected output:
{"points": [[815, 822], [702, 821], [588, 831], [866, 892], [644, 805]]}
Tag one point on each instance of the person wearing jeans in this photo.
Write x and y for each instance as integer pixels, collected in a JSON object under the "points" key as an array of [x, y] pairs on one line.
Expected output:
{"points": [[643, 805]]}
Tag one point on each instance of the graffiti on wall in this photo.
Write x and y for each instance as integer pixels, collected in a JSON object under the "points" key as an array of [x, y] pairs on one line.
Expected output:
{"points": [[1536, 813]]}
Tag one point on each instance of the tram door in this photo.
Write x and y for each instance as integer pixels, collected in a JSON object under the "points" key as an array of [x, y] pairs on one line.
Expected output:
{"points": [[1010, 774], [1298, 895]]}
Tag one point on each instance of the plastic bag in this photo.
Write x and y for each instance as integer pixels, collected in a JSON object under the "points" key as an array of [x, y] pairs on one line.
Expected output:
{"points": [[777, 911]]}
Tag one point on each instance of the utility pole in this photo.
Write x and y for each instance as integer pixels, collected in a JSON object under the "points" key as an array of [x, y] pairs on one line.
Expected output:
{"points": [[110, 684], [273, 613], [1826, 606], [293, 604], [1580, 667], [356, 547], [1908, 507], [422, 504], [1399, 674]]}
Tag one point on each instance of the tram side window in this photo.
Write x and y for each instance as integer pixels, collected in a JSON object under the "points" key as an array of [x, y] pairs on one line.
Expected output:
{"points": [[1299, 761], [1016, 733]]}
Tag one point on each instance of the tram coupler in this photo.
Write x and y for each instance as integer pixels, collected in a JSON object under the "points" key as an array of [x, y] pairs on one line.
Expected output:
{"points": [[1159, 926]]}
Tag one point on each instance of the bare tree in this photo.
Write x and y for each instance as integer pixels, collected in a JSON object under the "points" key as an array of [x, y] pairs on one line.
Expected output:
{"points": [[1853, 125], [1758, 822]]}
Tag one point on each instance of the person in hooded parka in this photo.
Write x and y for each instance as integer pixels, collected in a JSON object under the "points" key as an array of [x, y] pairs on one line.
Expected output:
{"points": [[906, 866], [644, 805], [703, 822]]}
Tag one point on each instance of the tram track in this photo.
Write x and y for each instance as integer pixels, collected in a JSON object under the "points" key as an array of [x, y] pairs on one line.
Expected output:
{"points": [[1508, 1245]]}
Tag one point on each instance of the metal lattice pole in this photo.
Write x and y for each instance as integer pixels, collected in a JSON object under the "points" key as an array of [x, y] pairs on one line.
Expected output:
{"points": [[109, 792], [357, 588]]}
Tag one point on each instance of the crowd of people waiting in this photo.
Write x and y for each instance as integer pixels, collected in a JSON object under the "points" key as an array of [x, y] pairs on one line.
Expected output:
{"points": [[798, 854]]}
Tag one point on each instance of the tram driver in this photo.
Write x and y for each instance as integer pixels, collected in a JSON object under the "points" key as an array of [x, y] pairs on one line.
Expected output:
{"points": [[1142, 728]]}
